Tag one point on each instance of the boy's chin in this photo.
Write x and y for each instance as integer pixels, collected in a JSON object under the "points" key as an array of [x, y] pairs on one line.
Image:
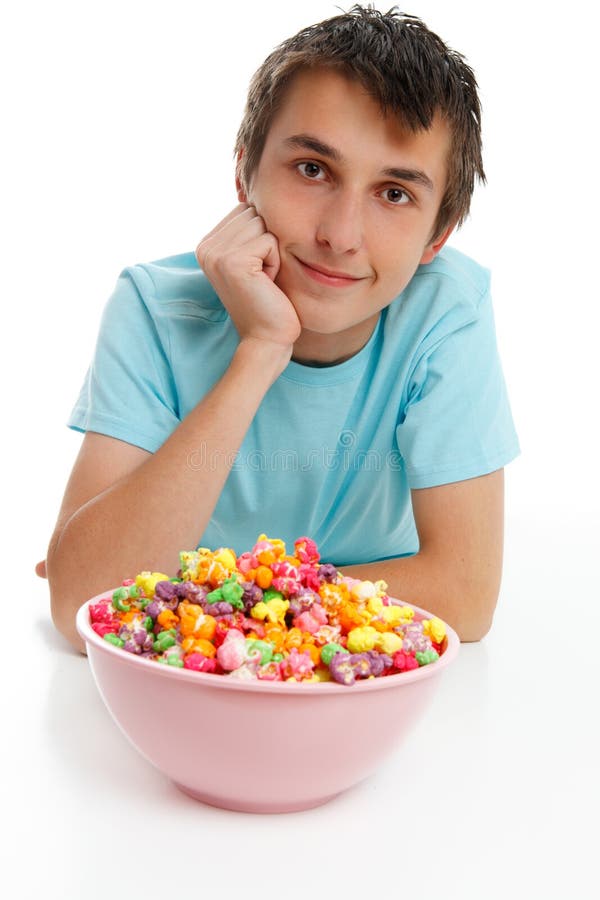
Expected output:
{"points": [[317, 324]]}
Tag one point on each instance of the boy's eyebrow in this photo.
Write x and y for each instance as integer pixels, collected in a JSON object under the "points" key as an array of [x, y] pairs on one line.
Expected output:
{"points": [[308, 142]]}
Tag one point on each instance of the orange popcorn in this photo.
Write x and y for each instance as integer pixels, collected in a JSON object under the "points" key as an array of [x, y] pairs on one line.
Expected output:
{"points": [[333, 596], [276, 635], [313, 650], [263, 577], [293, 560], [194, 621], [294, 638], [198, 645], [217, 573], [350, 617], [167, 619]]}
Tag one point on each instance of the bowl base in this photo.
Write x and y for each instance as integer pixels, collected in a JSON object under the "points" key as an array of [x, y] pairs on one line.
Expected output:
{"points": [[256, 806]]}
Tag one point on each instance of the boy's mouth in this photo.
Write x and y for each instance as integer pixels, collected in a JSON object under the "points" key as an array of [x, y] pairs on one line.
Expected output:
{"points": [[327, 276]]}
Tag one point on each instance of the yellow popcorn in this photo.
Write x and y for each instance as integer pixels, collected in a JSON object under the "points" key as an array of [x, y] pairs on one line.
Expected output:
{"points": [[435, 628], [392, 616], [321, 673], [362, 639], [273, 611], [147, 581], [389, 643], [375, 605], [226, 557]]}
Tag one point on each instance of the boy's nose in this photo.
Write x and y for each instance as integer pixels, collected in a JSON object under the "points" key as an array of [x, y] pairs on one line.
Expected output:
{"points": [[341, 223]]}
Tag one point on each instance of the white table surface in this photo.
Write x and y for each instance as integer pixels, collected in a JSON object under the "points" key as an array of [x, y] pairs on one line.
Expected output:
{"points": [[496, 788]]}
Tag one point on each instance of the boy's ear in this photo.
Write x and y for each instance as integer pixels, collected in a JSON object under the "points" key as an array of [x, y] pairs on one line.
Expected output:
{"points": [[241, 193], [433, 247]]}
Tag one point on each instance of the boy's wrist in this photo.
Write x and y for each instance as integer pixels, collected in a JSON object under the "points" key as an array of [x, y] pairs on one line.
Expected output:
{"points": [[270, 356]]}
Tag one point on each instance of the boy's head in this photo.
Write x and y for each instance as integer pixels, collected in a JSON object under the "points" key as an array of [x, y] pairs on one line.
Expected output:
{"points": [[407, 69]]}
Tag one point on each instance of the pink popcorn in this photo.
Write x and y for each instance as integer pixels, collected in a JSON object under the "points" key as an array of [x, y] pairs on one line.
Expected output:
{"points": [[309, 576], [103, 628], [312, 619], [327, 634], [306, 550], [232, 653], [297, 665], [245, 563], [103, 611], [270, 671], [199, 663], [285, 577]]}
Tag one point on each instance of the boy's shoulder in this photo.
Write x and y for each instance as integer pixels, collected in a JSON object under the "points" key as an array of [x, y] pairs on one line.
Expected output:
{"points": [[457, 272], [443, 296], [176, 284]]}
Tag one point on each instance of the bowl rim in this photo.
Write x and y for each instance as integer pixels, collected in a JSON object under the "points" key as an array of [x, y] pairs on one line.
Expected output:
{"points": [[297, 688]]}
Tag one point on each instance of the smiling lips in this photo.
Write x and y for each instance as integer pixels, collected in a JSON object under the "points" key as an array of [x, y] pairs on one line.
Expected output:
{"points": [[328, 276]]}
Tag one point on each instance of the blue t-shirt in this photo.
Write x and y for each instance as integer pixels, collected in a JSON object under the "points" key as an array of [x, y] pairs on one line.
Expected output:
{"points": [[332, 451]]}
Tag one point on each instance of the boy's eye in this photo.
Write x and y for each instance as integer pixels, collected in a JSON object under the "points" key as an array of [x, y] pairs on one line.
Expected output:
{"points": [[397, 196], [311, 169]]}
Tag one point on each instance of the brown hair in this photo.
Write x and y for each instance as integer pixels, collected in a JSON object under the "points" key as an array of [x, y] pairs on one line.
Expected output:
{"points": [[403, 65]]}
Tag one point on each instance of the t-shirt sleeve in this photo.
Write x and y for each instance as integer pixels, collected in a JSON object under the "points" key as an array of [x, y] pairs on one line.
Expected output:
{"points": [[128, 391], [457, 423]]}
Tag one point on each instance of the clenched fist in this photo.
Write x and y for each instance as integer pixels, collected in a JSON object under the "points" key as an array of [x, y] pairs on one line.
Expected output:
{"points": [[241, 260]]}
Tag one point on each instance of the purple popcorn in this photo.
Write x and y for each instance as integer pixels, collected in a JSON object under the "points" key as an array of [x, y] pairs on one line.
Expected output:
{"points": [[345, 668], [327, 572], [379, 662], [295, 607], [143, 639], [418, 644], [219, 609], [187, 590], [154, 609], [137, 640], [414, 639], [167, 592], [251, 596], [302, 601]]}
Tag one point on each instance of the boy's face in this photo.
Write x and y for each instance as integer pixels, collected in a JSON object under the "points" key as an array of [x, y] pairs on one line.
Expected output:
{"points": [[335, 209]]}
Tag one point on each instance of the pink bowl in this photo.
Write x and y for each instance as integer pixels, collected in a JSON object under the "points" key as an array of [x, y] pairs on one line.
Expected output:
{"points": [[258, 746]]}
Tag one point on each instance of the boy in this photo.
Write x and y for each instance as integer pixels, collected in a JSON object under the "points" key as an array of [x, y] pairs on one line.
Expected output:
{"points": [[321, 365]]}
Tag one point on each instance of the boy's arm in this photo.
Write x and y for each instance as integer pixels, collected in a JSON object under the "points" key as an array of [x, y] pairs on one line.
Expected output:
{"points": [[457, 572], [163, 503], [126, 509]]}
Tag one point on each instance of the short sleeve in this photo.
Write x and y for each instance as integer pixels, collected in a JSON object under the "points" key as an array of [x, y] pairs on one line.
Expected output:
{"points": [[128, 391], [457, 423]]}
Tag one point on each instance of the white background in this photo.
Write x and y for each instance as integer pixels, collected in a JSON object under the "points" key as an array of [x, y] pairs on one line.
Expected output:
{"points": [[118, 125]]}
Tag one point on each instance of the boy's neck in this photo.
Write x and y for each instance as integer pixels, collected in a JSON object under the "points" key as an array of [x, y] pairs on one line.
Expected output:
{"points": [[320, 350]]}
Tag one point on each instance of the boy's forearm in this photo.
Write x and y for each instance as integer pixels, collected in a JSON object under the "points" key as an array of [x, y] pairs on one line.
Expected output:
{"points": [[425, 581], [163, 506]]}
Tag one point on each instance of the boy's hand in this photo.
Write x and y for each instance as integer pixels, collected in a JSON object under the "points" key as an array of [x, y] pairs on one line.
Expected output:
{"points": [[241, 260]]}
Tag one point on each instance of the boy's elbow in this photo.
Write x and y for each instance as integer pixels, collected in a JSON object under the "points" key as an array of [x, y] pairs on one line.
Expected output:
{"points": [[64, 622], [63, 606], [471, 632], [474, 614]]}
